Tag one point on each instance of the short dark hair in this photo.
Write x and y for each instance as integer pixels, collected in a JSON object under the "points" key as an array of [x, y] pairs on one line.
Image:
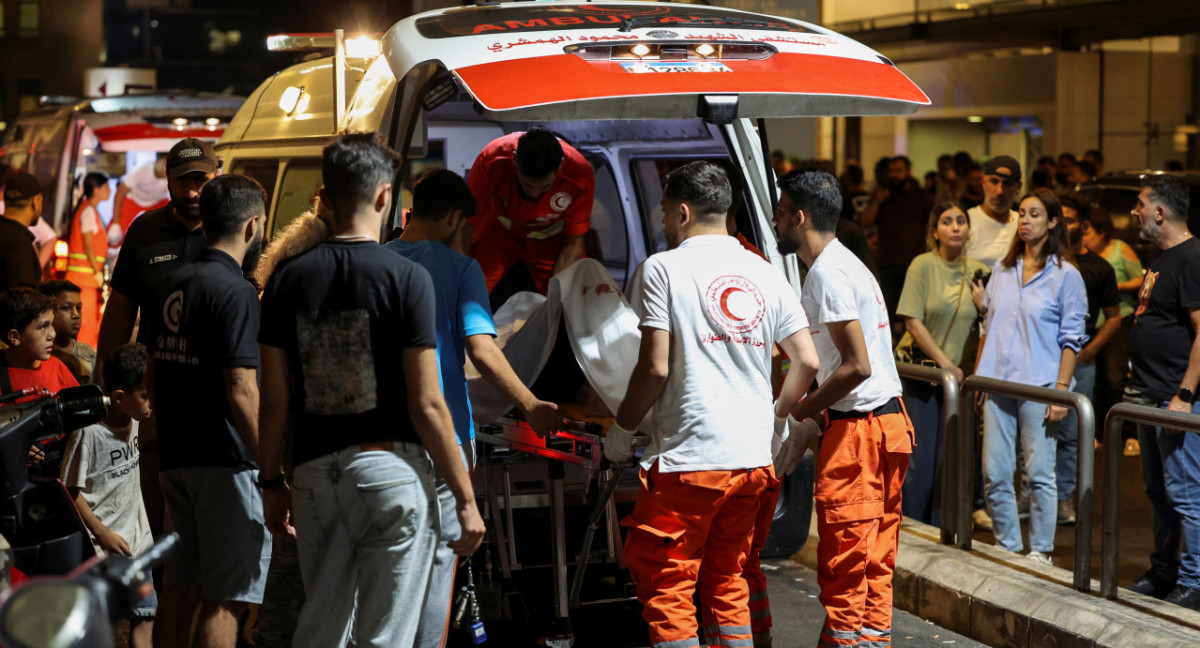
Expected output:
{"points": [[22, 305], [55, 287], [439, 192], [902, 158], [538, 154], [1045, 159], [125, 367], [1067, 156], [815, 192], [1088, 168], [353, 167], [1095, 154], [702, 185], [1082, 207], [227, 203], [854, 173], [1056, 241], [1170, 192]]}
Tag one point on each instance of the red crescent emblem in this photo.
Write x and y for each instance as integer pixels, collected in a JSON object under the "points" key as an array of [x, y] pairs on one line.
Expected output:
{"points": [[724, 301]]}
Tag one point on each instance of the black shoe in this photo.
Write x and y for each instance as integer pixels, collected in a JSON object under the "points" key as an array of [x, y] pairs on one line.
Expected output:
{"points": [[1184, 596], [1151, 586]]}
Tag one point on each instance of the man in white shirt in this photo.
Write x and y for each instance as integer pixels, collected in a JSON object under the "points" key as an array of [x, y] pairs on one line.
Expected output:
{"points": [[867, 434], [710, 314], [993, 222]]}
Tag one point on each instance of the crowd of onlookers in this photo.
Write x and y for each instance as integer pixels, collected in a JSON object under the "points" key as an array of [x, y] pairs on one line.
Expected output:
{"points": [[988, 271]]}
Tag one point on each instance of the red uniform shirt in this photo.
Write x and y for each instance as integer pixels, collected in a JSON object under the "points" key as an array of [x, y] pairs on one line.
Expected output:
{"points": [[52, 374], [493, 180]]}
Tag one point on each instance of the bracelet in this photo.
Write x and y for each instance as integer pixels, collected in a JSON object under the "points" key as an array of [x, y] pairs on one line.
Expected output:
{"points": [[1064, 384], [267, 484]]}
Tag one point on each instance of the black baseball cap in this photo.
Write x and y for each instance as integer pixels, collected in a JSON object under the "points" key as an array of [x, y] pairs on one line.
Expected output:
{"points": [[1003, 162], [21, 187], [191, 156]]}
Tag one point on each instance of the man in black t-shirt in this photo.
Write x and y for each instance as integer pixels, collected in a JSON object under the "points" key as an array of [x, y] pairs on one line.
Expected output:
{"points": [[201, 328], [1100, 281], [23, 207], [1166, 369], [349, 360]]}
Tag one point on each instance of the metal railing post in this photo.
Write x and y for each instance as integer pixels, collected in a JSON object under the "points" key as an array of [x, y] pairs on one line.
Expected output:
{"points": [[1110, 527], [1085, 470], [950, 434]]}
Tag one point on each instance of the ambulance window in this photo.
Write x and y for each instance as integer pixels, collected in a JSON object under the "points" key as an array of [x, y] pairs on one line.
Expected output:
{"points": [[607, 241], [264, 171], [297, 193], [650, 176]]}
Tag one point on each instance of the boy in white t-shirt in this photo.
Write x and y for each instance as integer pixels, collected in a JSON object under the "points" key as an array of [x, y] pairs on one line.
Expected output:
{"points": [[867, 434], [100, 470], [710, 314]]}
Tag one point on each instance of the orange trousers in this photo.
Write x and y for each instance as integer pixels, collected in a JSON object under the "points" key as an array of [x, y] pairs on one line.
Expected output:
{"points": [[497, 250], [688, 528], [860, 470], [756, 580]]}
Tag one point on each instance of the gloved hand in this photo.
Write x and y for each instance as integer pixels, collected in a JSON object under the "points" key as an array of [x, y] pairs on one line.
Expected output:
{"points": [[781, 435], [114, 234], [618, 445], [800, 436]]}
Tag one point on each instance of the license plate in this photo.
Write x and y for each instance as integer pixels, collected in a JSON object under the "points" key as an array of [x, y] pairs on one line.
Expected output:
{"points": [[644, 67]]}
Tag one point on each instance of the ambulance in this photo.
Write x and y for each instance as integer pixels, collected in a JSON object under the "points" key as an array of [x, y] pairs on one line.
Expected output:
{"points": [[637, 87]]}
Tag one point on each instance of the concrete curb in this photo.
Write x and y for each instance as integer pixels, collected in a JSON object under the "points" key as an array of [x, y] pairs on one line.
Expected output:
{"points": [[1003, 599]]}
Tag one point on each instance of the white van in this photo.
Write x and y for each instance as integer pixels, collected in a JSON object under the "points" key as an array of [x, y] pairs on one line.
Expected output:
{"points": [[636, 87]]}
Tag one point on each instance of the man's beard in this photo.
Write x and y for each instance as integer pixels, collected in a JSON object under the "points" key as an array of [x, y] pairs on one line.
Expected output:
{"points": [[187, 210], [786, 245], [250, 261], [1149, 231]]}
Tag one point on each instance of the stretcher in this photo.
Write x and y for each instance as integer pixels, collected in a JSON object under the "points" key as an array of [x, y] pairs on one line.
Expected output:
{"points": [[568, 463]]}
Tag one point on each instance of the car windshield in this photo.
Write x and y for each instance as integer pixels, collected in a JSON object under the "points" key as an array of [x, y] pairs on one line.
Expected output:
{"points": [[551, 17]]}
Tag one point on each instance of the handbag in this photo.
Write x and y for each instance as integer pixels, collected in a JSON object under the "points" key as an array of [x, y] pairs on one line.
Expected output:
{"points": [[912, 352]]}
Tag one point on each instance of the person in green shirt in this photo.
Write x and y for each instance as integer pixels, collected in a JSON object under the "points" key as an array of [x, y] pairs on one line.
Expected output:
{"points": [[938, 315]]}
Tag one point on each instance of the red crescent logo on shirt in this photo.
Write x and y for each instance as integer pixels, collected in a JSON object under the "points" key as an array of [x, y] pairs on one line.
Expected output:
{"points": [[560, 201], [735, 304]]}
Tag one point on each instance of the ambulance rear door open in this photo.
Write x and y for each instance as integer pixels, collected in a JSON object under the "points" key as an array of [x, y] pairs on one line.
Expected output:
{"points": [[554, 62]]}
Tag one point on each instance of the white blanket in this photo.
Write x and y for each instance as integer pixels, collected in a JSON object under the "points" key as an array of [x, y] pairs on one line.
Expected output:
{"points": [[602, 328]]}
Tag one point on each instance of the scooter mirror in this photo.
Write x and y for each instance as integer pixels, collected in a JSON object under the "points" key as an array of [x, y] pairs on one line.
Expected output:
{"points": [[53, 615]]}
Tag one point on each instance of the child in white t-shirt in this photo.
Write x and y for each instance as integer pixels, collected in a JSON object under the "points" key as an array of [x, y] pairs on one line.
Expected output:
{"points": [[100, 469]]}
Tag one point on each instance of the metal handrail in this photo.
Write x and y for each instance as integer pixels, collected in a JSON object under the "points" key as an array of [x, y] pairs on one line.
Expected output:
{"points": [[951, 435], [1110, 529], [1085, 469]]}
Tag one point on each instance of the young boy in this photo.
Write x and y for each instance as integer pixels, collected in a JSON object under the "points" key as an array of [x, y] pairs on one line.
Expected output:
{"points": [[79, 357], [27, 320], [100, 470]]}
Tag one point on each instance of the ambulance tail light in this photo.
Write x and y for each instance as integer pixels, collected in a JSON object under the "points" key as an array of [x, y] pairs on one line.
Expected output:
{"points": [[674, 51], [60, 258]]}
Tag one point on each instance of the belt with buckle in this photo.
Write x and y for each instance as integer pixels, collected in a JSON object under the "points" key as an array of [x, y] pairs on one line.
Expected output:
{"points": [[890, 407]]}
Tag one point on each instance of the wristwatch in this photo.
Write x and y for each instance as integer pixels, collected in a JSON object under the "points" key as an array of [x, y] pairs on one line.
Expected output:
{"points": [[266, 484], [1186, 395]]}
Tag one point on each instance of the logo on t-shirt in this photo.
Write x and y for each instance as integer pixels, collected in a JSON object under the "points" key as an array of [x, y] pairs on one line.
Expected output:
{"points": [[735, 303], [1144, 293], [173, 310], [560, 201]]}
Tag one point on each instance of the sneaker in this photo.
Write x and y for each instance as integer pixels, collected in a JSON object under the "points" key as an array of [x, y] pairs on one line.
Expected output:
{"points": [[1184, 596], [1023, 509], [1040, 558], [1132, 448], [983, 521], [1148, 585], [1066, 512]]}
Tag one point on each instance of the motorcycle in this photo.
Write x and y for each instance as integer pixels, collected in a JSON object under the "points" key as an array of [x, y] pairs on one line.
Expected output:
{"points": [[37, 515], [77, 611]]}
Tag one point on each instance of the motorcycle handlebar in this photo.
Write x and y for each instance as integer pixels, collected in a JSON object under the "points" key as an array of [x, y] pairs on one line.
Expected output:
{"points": [[156, 555]]}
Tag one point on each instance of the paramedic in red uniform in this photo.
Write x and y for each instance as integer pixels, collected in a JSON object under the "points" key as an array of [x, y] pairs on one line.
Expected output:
{"points": [[867, 434], [710, 314], [535, 204]]}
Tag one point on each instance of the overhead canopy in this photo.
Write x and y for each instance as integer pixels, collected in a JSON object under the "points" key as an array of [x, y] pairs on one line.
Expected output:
{"points": [[545, 61]]}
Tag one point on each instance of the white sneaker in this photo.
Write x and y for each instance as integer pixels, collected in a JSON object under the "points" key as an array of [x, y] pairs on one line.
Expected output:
{"points": [[1041, 558]]}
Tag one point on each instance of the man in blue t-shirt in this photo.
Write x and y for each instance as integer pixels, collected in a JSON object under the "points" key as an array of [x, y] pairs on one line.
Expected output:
{"points": [[442, 203]]}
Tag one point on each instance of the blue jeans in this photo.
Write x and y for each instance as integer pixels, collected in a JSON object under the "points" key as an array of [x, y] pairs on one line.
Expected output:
{"points": [[1003, 420], [1171, 474], [924, 404], [435, 617], [1068, 433], [366, 527]]}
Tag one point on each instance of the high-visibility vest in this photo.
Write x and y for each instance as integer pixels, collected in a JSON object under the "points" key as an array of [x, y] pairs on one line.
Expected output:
{"points": [[79, 270]]}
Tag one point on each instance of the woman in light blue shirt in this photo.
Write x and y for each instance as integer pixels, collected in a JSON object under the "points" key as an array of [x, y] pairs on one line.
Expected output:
{"points": [[1034, 306]]}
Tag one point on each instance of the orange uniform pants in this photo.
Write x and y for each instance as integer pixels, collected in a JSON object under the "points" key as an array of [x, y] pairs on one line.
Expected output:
{"points": [[860, 470], [497, 249], [689, 528], [756, 580]]}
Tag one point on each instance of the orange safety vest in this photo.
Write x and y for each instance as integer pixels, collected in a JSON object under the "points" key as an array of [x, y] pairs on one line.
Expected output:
{"points": [[79, 270]]}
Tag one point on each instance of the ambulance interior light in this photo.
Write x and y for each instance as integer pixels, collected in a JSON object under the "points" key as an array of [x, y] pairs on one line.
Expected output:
{"points": [[672, 51]]}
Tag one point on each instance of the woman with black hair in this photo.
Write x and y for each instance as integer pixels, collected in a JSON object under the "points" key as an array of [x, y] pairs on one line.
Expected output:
{"points": [[87, 247]]}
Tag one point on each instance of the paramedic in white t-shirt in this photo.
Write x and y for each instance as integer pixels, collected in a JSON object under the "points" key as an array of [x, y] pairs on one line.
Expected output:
{"points": [[867, 434], [993, 222], [710, 314]]}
